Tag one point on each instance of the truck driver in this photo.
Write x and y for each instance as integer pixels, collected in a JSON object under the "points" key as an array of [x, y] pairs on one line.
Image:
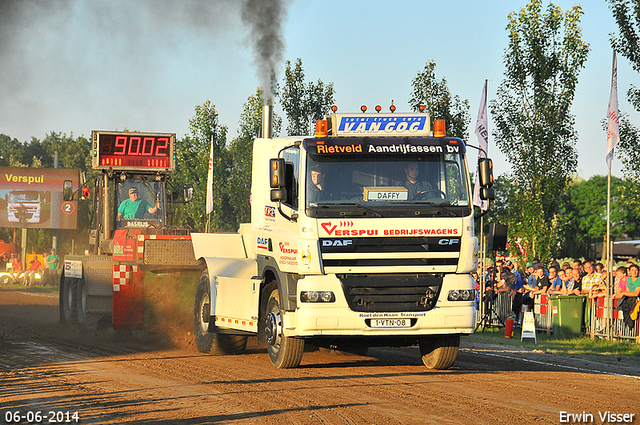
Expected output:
{"points": [[413, 185], [134, 207]]}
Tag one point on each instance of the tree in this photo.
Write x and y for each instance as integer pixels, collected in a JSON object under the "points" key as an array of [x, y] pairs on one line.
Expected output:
{"points": [[627, 43], [12, 152], [192, 166], [240, 154], [72, 152], [583, 215], [304, 103], [532, 115], [436, 97]]}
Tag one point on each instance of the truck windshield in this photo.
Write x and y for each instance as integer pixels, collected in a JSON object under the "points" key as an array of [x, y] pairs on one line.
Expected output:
{"points": [[376, 180], [26, 196]]}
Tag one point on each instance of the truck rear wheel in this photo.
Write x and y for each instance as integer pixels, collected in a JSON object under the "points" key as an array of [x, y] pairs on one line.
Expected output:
{"points": [[207, 342], [68, 300], [439, 352], [285, 352]]}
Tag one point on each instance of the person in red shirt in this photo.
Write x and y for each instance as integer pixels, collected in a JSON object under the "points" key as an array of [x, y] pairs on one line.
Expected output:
{"points": [[34, 266], [16, 267]]}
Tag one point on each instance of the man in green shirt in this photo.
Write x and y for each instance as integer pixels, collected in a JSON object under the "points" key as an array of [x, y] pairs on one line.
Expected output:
{"points": [[51, 264], [134, 207]]}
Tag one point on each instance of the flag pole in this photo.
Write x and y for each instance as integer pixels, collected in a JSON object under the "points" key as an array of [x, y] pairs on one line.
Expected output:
{"points": [[482, 133], [613, 137], [210, 179]]}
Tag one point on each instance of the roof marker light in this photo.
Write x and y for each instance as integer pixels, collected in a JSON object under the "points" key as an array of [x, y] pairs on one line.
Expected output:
{"points": [[422, 108], [363, 108], [392, 108], [378, 108], [438, 128]]}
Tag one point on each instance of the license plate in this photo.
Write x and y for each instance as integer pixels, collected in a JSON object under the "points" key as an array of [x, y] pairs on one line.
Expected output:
{"points": [[390, 323]]}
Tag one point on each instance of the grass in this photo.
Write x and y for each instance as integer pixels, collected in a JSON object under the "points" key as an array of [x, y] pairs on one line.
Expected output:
{"points": [[31, 289], [583, 345]]}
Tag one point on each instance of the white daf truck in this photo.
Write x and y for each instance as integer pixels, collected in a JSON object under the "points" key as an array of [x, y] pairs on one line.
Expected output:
{"points": [[360, 236]]}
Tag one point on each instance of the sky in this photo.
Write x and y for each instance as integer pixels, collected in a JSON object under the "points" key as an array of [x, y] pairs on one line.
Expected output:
{"points": [[73, 66]]}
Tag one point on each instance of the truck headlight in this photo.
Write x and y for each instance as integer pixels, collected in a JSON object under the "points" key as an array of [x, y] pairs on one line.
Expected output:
{"points": [[317, 297], [461, 295]]}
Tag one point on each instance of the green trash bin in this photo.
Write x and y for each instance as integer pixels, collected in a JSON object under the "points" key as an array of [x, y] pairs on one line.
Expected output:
{"points": [[567, 313]]}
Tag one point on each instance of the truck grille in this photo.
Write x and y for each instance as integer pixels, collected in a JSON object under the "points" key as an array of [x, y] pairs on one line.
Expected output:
{"points": [[347, 255], [391, 293]]}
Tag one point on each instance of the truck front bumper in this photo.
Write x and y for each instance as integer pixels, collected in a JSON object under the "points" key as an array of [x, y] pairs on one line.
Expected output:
{"points": [[336, 318]]}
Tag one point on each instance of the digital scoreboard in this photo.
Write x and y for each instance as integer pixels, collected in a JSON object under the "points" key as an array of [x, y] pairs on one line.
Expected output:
{"points": [[133, 151]]}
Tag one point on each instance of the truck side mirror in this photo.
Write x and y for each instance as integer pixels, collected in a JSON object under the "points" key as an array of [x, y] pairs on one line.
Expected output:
{"points": [[187, 193], [487, 193], [277, 179], [276, 173], [485, 169]]}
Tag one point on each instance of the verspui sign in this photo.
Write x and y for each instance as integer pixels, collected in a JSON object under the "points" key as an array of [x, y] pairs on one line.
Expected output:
{"points": [[33, 197]]}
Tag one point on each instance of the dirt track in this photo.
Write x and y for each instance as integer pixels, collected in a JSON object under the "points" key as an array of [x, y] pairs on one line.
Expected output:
{"points": [[109, 377]]}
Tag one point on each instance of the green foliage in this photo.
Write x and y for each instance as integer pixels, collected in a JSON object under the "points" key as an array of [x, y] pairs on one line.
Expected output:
{"points": [[192, 168], [12, 152], [304, 103], [240, 153], [534, 124], [72, 153], [627, 43], [436, 97], [583, 215]]}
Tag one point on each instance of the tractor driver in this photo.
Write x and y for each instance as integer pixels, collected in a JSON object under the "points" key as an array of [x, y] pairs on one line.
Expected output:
{"points": [[134, 207]]}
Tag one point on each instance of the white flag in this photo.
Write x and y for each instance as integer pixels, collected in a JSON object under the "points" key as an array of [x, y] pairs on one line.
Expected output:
{"points": [[482, 133], [613, 133], [210, 181]]}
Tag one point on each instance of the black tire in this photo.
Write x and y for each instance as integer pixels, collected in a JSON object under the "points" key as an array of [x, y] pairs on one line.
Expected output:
{"points": [[69, 300], [85, 319], [207, 342], [5, 280], [284, 351], [439, 352]]}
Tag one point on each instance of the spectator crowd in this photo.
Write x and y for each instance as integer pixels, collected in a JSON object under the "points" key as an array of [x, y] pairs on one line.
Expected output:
{"points": [[44, 272], [588, 278]]}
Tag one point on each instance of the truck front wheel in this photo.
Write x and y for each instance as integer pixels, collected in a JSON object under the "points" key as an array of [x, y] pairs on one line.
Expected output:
{"points": [[285, 352], [439, 352], [207, 342]]}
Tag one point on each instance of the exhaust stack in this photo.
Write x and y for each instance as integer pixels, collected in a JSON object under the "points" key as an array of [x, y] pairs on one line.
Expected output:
{"points": [[267, 121]]}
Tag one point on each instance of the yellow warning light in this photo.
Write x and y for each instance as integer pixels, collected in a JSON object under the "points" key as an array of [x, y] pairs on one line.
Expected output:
{"points": [[321, 128], [438, 128]]}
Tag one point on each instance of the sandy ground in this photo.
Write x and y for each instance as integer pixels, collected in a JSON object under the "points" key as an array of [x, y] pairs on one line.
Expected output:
{"points": [[111, 377]]}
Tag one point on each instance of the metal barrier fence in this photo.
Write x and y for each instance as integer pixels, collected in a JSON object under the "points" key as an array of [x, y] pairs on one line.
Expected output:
{"points": [[598, 319], [594, 322]]}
